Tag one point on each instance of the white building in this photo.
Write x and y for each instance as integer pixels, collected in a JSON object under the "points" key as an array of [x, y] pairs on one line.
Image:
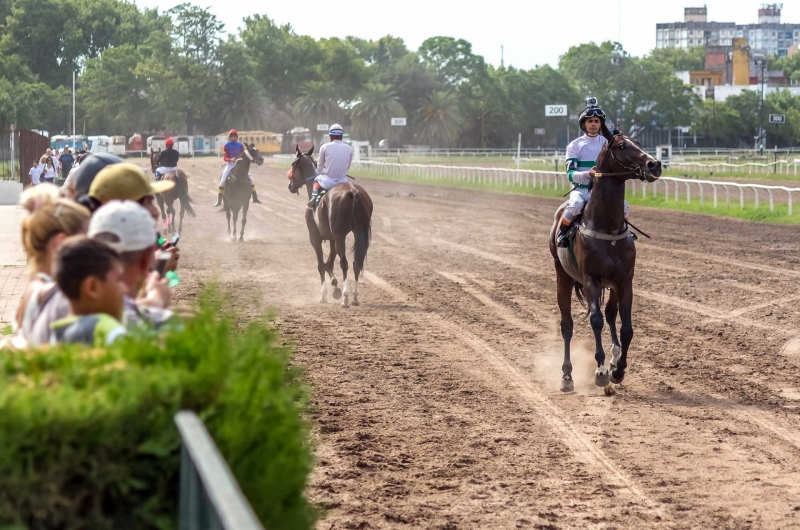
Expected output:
{"points": [[769, 35]]}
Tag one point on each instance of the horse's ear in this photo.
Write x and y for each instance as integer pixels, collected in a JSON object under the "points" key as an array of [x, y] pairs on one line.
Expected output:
{"points": [[252, 146], [297, 149], [618, 131], [606, 133], [310, 151]]}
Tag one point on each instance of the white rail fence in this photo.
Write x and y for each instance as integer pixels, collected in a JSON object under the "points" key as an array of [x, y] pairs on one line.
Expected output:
{"points": [[783, 167], [672, 188]]}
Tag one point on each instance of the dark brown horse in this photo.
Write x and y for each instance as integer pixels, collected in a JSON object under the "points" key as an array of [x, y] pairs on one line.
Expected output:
{"points": [[345, 208], [237, 190], [180, 192], [604, 257]]}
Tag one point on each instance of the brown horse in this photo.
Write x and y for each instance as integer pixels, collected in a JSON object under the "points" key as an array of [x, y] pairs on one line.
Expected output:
{"points": [[343, 209], [604, 257], [179, 192]]}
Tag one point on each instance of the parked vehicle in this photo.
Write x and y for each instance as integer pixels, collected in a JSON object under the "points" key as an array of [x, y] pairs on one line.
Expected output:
{"points": [[156, 142], [184, 145], [116, 145]]}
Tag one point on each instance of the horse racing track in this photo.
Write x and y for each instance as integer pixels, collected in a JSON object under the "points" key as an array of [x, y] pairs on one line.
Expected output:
{"points": [[435, 403]]}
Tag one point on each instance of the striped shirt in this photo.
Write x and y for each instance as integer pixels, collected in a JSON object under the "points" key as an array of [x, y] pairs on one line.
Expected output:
{"points": [[582, 154]]}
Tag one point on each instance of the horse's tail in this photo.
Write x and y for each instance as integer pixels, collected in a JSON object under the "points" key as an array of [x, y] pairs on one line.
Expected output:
{"points": [[362, 229], [579, 293], [182, 185]]}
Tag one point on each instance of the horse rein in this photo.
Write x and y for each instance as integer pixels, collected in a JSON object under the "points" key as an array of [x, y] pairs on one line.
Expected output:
{"points": [[309, 179], [637, 171]]}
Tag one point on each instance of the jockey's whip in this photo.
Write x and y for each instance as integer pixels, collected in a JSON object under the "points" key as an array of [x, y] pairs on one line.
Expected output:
{"points": [[570, 191], [632, 226]]}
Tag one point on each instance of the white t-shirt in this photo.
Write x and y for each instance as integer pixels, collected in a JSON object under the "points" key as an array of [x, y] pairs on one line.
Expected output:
{"points": [[34, 173]]}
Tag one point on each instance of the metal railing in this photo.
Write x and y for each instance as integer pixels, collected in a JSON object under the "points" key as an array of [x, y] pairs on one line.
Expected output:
{"points": [[782, 167], [210, 498], [674, 188]]}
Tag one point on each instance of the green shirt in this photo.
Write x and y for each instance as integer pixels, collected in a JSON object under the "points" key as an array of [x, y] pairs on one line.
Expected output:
{"points": [[96, 330]]}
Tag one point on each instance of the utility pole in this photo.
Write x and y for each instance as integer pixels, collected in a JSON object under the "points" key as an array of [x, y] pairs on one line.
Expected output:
{"points": [[502, 57], [761, 61]]}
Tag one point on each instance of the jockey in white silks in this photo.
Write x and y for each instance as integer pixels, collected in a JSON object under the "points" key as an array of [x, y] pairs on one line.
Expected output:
{"points": [[582, 154], [334, 162], [232, 151]]}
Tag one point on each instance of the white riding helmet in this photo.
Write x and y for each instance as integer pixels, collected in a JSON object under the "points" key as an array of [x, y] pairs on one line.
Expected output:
{"points": [[336, 130]]}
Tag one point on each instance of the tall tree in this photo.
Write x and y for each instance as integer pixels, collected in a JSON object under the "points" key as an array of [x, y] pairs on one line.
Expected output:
{"points": [[317, 104], [438, 119], [373, 113]]}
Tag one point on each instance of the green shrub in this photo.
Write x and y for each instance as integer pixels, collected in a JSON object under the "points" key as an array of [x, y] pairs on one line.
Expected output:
{"points": [[87, 439]]}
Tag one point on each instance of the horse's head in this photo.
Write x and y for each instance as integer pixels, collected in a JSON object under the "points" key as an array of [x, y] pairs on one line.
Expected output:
{"points": [[629, 159], [154, 158], [254, 154], [304, 167]]}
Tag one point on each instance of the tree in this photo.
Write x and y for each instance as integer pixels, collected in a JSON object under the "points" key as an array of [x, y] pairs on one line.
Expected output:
{"points": [[452, 59], [438, 119], [376, 107], [341, 67], [317, 104], [679, 59]]}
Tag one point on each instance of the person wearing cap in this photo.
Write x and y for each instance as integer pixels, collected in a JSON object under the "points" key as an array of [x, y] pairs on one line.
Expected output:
{"points": [[167, 160], [582, 154], [129, 229], [233, 150], [128, 182], [81, 180], [334, 162]]}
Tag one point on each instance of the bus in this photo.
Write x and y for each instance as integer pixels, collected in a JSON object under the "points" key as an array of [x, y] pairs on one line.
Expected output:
{"points": [[61, 141], [266, 142], [298, 137]]}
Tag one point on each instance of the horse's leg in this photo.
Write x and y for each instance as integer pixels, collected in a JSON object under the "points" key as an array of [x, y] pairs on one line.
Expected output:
{"points": [[341, 250], [337, 292], [593, 292], [612, 307], [180, 226], [171, 215], [564, 287], [235, 220], [228, 215], [160, 201], [244, 220], [625, 331]]}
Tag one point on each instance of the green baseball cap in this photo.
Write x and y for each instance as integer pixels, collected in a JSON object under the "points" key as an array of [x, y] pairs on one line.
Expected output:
{"points": [[123, 182]]}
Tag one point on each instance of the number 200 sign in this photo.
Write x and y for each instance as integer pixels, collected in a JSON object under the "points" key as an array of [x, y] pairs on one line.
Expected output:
{"points": [[555, 110]]}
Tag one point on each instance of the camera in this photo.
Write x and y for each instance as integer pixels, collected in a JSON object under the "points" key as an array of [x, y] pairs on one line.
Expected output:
{"points": [[591, 101]]}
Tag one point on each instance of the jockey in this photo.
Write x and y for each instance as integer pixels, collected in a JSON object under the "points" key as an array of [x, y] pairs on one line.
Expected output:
{"points": [[582, 154], [334, 162], [234, 150], [167, 160]]}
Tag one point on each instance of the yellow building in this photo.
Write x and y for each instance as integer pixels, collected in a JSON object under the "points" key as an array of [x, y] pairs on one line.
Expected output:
{"points": [[741, 62]]}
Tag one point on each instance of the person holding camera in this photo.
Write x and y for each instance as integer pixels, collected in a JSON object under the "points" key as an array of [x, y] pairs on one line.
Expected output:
{"points": [[130, 230], [582, 154]]}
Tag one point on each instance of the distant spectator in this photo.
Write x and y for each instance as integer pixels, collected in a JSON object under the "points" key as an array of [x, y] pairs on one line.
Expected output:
{"points": [[50, 153], [43, 232], [128, 228], [49, 171], [90, 275], [34, 173], [67, 160]]}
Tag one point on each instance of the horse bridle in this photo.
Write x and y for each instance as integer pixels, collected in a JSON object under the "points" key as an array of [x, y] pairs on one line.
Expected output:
{"points": [[309, 179], [637, 171]]}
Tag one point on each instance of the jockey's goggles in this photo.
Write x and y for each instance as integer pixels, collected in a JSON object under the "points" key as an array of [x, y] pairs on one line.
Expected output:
{"points": [[593, 112]]}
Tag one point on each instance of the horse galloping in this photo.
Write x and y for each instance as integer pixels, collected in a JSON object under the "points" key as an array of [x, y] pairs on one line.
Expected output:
{"points": [[343, 209], [602, 255], [179, 192], [237, 190]]}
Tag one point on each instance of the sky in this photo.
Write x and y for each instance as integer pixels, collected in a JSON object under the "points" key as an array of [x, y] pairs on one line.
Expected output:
{"points": [[532, 32]]}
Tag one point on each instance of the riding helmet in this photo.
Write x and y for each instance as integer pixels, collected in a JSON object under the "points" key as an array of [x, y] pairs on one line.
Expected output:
{"points": [[591, 110], [233, 131], [336, 130], [169, 143]]}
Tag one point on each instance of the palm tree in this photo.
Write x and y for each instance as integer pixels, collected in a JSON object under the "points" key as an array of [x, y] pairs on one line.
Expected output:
{"points": [[317, 104], [245, 106], [372, 114], [438, 119]]}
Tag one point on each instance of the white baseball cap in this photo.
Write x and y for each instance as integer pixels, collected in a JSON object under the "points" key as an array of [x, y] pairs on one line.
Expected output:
{"points": [[129, 226]]}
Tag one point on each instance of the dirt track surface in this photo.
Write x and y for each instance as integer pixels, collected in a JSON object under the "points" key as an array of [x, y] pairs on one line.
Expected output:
{"points": [[436, 402]]}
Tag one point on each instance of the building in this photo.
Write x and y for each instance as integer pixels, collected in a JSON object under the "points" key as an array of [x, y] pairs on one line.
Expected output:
{"points": [[768, 36]]}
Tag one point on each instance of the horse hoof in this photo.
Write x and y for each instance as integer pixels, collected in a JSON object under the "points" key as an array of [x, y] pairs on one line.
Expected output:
{"points": [[355, 303], [334, 282], [241, 240], [617, 377], [609, 391], [602, 377], [567, 384], [323, 300], [345, 303], [337, 293]]}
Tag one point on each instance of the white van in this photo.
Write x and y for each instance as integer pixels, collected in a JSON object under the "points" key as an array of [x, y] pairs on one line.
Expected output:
{"points": [[184, 145], [116, 145], [156, 143], [99, 144]]}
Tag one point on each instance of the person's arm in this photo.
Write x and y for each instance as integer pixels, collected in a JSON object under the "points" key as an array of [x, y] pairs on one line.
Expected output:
{"points": [[575, 176], [321, 161], [227, 156]]}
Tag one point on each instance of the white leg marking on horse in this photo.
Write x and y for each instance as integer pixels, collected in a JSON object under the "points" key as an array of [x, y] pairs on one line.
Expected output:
{"points": [[346, 293], [324, 294], [355, 292]]}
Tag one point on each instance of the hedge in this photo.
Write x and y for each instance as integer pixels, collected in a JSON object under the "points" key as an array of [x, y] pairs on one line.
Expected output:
{"points": [[87, 439]]}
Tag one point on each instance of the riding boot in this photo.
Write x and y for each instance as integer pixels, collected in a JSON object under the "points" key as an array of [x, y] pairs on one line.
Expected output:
{"points": [[312, 203], [562, 240], [255, 198], [219, 200]]}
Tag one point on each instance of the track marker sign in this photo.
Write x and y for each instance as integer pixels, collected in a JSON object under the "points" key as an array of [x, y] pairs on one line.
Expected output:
{"points": [[538, 132], [398, 122], [322, 127], [556, 110], [777, 118]]}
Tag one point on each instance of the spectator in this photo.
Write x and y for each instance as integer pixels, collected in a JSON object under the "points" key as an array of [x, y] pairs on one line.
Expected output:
{"points": [[50, 153], [43, 233], [128, 228], [89, 273], [83, 177], [34, 173], [128, 182], [49, 171], [35, 197], [67, 160]]}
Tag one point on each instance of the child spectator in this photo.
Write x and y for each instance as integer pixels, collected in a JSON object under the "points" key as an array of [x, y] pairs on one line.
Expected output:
{"points": [[90, 275], [34, 173]]}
